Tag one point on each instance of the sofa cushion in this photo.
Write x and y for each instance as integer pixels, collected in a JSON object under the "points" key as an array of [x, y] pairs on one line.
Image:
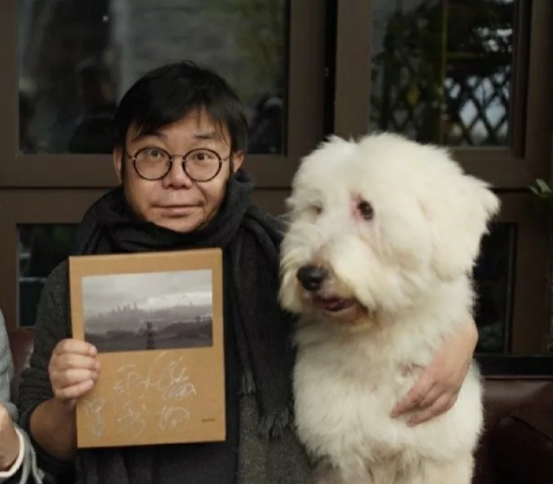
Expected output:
{"points": [[522, 442]]}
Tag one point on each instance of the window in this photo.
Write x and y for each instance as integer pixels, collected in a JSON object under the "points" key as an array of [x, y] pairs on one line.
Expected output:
{"points": [[441, 71], [69, 62], [37, 228], [41, 248], [467, 73], [65, 63], [494, 277], [76, 59]]}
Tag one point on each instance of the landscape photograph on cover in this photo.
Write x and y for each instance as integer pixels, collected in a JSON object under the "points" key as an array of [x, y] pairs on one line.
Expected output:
{"points": [[148, 311]]}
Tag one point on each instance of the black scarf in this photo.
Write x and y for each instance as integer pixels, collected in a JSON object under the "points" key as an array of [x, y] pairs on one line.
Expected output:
{"points": [[250, 241]]}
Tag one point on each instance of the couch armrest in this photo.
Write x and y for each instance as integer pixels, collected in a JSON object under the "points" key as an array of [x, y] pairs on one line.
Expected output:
{"points": [[522, 442]]}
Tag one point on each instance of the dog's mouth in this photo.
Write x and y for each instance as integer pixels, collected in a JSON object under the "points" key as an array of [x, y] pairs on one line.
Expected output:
{"points": [[335, 304], [345, 311]]}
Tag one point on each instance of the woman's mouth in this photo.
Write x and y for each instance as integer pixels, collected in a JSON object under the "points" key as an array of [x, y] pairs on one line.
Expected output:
{"points": [[177, 210]]}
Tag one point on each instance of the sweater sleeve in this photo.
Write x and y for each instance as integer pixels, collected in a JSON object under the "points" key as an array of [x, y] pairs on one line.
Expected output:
{"points": [[51, 326], [27, 466]]}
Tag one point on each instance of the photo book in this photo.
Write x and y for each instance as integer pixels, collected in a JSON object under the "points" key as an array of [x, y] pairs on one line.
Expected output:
{"points": [[157, 322]]}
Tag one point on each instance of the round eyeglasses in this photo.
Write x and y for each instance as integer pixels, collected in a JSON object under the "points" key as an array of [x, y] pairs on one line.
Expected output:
{"points": [[200, 164]]}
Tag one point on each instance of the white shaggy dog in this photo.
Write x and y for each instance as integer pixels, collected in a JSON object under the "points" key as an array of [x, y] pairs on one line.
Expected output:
{"points": [[377, 260]]}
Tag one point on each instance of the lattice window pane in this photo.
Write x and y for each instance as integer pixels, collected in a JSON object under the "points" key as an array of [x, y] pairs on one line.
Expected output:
{"points": [[442, 70]]}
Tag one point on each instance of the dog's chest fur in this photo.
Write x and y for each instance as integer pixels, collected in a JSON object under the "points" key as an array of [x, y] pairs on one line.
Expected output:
{"points": [[346, 385]]}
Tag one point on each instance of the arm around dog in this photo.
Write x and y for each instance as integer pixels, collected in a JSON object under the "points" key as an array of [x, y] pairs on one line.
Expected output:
{"points": [[436, 390]]}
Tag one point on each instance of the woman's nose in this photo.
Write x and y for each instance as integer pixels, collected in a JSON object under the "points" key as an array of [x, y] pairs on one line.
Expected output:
{"points": [[177, 177]]}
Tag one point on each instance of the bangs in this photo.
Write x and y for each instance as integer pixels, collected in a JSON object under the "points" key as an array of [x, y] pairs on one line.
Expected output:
{"points": [[172, 93], [200, 112]]}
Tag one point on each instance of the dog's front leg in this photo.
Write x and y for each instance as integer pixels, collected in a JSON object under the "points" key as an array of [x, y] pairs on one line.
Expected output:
{"points": [[459, 471], [326, 473]]}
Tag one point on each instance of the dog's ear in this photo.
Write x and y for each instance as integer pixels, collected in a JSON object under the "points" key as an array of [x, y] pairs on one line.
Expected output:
{"points": [[458, 220]]}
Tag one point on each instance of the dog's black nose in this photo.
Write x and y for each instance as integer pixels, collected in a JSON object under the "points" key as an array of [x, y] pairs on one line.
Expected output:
{"points": [[311, 277]]}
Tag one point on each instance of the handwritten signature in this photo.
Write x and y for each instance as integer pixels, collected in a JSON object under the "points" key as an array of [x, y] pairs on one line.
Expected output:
{"points": [[93, 408], [132, 420], [170, 378], [173, 417]]}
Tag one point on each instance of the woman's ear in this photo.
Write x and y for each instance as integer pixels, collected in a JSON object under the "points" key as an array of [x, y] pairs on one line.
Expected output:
{"points": [[237, 160], [118, 163]]}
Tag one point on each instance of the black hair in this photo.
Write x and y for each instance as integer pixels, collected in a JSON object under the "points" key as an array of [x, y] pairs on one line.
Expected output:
{"points": [[169, 93]]}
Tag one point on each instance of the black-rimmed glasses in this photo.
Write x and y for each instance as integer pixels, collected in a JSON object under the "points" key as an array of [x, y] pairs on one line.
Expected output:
{"points": [[200, 164]]}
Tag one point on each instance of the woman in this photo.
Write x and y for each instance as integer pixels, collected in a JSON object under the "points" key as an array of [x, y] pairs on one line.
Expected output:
{"points": [[17, 458]]}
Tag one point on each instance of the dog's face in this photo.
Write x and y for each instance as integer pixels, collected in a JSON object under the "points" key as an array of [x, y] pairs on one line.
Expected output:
{"points": [[374, 225]]}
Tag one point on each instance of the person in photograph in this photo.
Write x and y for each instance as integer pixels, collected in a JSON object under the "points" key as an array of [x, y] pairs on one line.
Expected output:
{"points": [[180, 138], [150, 333], [18, 463]]}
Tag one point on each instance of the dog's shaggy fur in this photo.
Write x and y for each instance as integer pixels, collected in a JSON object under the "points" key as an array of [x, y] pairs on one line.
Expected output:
{"points": [[383, 236]]}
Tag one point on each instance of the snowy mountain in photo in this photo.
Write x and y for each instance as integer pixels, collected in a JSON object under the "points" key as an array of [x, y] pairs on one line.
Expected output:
{"points": [[168, 301], [163, 311]]}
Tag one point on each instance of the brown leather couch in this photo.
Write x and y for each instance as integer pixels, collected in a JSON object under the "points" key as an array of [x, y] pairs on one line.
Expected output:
{"points": [[517, 446]]}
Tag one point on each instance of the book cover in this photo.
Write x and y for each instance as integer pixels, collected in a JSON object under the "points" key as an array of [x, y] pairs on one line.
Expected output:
{"points": [[157, 322]]}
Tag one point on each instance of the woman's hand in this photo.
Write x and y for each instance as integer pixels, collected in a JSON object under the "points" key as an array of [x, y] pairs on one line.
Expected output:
{"points": [[438, 385], [73, 370], [9, 440]]}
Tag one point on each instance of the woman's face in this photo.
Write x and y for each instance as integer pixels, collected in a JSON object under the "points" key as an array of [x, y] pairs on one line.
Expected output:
{"points": [[177, 202]]}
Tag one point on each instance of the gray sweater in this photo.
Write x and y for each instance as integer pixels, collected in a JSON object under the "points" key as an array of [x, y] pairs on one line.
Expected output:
{"points": [[29, 472], [259, 461]]}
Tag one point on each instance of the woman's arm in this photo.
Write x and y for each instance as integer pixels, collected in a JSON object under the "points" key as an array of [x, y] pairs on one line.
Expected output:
{"points": [[17, 456], [437, 388]]}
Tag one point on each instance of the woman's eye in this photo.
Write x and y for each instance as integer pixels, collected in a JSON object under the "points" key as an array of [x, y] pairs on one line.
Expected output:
{"points": [[154, 153], [202, 156]]}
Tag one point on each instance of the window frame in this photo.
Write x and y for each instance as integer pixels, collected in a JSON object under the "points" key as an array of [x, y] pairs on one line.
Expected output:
{"points": [[304, 123], [19, 207], [529, 329]]}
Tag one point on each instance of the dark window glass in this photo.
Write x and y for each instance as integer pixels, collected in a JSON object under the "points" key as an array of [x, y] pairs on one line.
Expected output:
{"points": [[41, 248], [77, 58], [441, 70], [494, 278]]}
